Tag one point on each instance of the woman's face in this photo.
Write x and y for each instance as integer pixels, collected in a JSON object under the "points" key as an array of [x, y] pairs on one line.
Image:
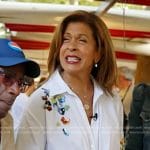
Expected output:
{"points": [[78, 52]]}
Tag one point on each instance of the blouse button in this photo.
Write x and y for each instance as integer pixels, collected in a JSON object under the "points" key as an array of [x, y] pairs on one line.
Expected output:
{"points": [[92, 146]]}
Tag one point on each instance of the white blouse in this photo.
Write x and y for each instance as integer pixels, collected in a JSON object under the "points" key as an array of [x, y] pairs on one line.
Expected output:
{"points": [[56, 120]]}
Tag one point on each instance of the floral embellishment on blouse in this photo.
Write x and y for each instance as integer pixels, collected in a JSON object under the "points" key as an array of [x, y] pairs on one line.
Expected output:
{"points": [[58, 103], [47, 104], [65, 120]]}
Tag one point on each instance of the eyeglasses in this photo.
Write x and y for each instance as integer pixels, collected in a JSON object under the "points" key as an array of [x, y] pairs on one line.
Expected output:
{"points": [[9, 78]]}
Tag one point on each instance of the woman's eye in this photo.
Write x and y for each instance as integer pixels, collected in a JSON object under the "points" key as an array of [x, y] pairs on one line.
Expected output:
{"points": [[65, 39], [83, 40]]}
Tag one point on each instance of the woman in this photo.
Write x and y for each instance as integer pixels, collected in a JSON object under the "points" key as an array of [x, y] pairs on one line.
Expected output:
{"points": [[76, 108]]}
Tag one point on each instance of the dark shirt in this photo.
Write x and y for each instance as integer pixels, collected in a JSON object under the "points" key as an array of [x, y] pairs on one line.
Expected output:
{"points": [[138, 135]]}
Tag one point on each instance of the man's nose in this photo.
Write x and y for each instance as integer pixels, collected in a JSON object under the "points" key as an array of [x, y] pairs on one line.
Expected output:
{"points": [[14, 89]]}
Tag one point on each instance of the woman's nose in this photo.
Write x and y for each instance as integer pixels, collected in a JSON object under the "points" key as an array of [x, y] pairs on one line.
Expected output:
{"points": [[72, 45]]}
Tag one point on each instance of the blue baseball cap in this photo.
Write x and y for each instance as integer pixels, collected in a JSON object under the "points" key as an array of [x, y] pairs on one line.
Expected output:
{"points": [[11, 54]]}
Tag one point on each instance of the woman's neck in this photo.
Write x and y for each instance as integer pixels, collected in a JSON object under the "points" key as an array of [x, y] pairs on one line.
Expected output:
{"points": [[78, 82]]}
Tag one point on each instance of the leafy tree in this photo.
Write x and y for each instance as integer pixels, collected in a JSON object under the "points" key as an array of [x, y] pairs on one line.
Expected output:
{"points": [[81, 2]]}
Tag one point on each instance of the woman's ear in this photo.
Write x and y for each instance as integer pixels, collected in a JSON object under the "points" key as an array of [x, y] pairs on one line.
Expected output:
{"points": [[97, 58]]}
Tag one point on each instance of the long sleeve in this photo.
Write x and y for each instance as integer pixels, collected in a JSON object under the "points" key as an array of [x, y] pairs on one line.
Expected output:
{"points": [[134, 138]]}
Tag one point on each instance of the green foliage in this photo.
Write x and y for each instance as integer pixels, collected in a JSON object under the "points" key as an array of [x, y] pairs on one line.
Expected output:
{"points": [[89, 3], [129, 6], [81, 2], [45, 1]]}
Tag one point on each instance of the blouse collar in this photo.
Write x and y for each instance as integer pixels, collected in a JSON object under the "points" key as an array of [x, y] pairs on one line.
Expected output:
{"points": [[57, 85]]}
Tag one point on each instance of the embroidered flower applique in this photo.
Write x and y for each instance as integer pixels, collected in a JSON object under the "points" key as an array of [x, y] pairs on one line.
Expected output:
{"points": [[57, 103]]}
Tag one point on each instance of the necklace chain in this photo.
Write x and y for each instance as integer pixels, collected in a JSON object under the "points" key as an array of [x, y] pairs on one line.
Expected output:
{"points": [[84, 97], [85, 105]]}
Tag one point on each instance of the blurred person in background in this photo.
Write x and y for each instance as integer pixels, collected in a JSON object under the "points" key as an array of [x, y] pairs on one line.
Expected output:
{"points": [[125, 84], [21, 103], [41, 81], [138, 135], [13, 69]]}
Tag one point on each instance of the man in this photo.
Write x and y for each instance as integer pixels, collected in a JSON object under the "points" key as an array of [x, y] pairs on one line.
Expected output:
{"points": [[14, 69], [138, 135], [125, 86], [20, 105]]}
